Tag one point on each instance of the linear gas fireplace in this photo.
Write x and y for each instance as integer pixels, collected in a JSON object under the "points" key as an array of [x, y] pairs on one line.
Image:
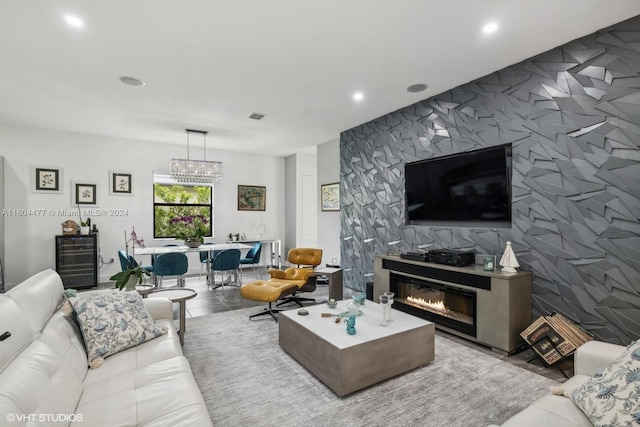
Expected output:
{"points": [[444, 305]]}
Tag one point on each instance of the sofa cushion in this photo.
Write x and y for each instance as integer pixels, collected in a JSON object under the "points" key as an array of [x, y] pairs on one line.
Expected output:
{"points": [[553, 410], [38, 297], [46, 377], [14, 326], [613, 396], [112, 321], [161, 393]]}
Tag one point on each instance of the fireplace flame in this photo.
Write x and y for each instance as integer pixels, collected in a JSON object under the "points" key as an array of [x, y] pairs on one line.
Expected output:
{"points": [[434, 305], [440, 309]]}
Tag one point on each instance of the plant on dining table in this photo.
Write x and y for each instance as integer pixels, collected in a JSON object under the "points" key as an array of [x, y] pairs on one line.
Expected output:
{"points": [[191, 228], [134, 269]]}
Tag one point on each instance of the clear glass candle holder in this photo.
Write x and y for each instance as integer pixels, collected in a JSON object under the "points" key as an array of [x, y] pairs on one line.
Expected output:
{"points": [[386, 307], [390, 296]]}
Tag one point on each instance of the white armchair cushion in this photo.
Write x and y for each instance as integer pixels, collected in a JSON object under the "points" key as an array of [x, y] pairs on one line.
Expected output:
{"points": [[613, 396], [111, 322]]}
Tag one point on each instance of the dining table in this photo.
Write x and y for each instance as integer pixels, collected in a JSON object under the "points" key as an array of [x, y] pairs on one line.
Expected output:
{"points": [[209, 247]]}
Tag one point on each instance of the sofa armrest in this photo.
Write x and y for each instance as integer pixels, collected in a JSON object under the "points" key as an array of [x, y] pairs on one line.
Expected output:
{"points": [[594, 355], [159, 308]]}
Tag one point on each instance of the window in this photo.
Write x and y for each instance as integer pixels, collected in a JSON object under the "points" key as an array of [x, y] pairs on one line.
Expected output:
{"points": [[174, 202]]}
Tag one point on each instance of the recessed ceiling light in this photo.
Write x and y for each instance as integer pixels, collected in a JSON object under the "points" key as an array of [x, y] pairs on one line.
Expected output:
{"points": [[358, 96], [490, 28], [74, 21], [131, 81], [418, 87]]}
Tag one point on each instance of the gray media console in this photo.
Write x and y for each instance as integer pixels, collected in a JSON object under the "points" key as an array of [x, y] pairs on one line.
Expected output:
{"points": [[497, 305]]}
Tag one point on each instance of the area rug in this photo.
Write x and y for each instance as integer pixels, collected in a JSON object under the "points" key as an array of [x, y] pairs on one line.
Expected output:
{"points": [[248, 380]]}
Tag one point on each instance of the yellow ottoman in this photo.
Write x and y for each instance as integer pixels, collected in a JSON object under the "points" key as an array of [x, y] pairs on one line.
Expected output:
{"points": [[267, 291]]}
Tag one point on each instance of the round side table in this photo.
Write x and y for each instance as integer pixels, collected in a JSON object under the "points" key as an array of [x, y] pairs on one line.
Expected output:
{"points": [[145, 289], [180, 296]]}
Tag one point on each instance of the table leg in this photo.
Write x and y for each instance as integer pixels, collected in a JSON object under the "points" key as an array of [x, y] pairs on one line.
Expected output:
{"points": [[182, 321], [209, 282]]}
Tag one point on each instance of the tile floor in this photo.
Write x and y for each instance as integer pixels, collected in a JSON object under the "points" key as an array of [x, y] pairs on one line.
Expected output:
{"points": [[228, 298]]}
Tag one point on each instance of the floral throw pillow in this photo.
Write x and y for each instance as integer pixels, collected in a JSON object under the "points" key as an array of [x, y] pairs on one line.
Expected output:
{"points": [[112, 321], [612, 397]]}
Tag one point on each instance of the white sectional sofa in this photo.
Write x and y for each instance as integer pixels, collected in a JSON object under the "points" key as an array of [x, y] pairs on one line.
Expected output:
{"points": [[45, 381], [558, 410]]}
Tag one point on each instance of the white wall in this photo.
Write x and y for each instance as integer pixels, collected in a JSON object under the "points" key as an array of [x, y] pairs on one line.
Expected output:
{"points": [[29, 240], [328, 222]]}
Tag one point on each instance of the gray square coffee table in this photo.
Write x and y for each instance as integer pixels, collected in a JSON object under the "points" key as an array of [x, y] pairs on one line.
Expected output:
{"points": [[347, 363]]}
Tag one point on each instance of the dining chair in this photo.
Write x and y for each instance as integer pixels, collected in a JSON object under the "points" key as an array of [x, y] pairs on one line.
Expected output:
{"points": [[253, 257], [206, 259], [128, 262], [153, 257], [171, 264], [226, 261]]}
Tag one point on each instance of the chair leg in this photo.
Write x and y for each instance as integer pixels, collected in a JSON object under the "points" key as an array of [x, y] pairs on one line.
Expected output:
{"points": [[215, 285], [269, 310], [295, 299]]}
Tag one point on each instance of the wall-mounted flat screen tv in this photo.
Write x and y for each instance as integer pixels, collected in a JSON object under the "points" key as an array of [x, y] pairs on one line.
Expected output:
{"points": [[467, 189]]}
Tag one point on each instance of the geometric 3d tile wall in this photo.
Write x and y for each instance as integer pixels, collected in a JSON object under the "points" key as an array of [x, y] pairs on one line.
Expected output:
{"points": [[573, 117]]}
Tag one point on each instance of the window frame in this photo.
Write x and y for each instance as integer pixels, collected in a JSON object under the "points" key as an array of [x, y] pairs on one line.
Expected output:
{"points": [[156, 204]]}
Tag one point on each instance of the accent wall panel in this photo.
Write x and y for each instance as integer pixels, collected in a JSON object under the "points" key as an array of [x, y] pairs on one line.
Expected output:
{"points": [[573, 117]]}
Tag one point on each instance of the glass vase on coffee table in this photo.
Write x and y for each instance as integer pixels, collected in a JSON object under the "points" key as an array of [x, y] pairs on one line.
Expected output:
{"points": [[389, 295], [386, 307]]}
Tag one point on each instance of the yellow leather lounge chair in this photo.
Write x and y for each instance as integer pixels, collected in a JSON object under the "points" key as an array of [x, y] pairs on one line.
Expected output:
{"points": [[306, 260]]}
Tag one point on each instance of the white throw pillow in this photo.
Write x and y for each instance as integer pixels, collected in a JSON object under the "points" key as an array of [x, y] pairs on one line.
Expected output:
{"points": [[112, 321], [612, 397]]}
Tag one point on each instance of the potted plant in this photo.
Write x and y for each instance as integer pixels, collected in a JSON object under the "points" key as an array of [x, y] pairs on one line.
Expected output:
{"points": [[84, 225], [134, 273], [190, 228]]}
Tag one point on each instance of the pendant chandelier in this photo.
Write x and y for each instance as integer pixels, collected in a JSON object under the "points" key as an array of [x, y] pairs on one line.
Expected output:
{"points": [[195, 171]]}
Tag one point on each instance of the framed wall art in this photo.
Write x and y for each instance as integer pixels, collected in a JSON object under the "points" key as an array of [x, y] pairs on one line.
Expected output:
{"points": [[251, 198], [120, 183], [84, 193], [46, 179], [330, 197]]}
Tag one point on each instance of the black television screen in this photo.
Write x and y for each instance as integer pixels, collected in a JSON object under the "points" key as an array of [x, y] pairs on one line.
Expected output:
{"points": [[467, 189]]}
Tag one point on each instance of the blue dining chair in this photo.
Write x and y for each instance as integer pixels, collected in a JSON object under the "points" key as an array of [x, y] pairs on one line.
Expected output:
{"points": [[171, 264], [227, 260], [253, 257], [205, 258], [127, 262], [153, 257]]}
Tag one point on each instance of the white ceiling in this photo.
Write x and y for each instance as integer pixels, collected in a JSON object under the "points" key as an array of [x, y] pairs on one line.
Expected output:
{"points": [[209, 64]]}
